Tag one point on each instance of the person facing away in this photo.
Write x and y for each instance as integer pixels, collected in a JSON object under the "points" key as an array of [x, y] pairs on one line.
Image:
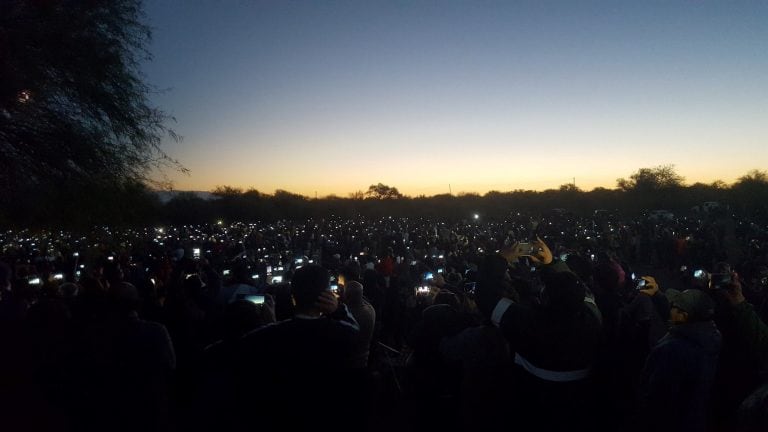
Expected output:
{"points": [[680, 370], [122, 369], [365, 316], [300, 365]]}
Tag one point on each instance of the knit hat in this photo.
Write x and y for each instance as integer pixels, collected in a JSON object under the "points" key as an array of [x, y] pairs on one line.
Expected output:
{"points": [[696, 303]]}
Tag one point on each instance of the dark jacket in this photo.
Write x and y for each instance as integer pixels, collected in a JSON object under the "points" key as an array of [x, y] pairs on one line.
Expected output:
{"points": [[752, 331], [678, 377], [553, 349]]}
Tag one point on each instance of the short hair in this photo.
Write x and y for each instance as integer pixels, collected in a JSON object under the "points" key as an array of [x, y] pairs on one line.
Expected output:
{"points": [[564, 291], [354, 291], [307, 284]]}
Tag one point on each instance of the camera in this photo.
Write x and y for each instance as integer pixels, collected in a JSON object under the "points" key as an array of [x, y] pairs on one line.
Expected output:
{"points": [[422, 290], [469, 287], [700, 274], [720, 280], [255, 299], [527, 248]]}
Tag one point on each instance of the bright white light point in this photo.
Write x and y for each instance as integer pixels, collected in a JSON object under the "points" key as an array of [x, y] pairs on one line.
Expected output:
{"points": [[477, 216]]}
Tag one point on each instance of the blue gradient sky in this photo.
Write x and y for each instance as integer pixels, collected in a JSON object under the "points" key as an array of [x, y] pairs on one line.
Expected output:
{"points": [[334, 96]]}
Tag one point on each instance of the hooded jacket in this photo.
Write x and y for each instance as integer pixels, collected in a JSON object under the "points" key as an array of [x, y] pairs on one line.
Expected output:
{"points": [[678, 377]]}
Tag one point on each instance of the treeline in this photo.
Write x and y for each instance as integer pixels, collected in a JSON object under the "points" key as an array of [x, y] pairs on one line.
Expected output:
{"points": [[748, 195], [135, 204]]}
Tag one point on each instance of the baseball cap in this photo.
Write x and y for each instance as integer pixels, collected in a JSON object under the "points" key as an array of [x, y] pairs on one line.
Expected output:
{"points": [[696, 303]]}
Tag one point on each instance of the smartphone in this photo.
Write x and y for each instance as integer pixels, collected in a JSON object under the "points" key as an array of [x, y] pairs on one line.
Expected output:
{"points": [[277, 279], [700, 274], [525, 248], [440, 270], [640, 283], [255, 276], [720, 280], [255, 299], [35, 281], [111, 258], [335, 289], [196, 253], [470, 287], [429, 276], [422, 290], [58, 276], [226, 272]]}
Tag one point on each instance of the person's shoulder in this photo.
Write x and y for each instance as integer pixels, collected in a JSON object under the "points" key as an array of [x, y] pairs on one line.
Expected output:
{"points": [[151, 326], [268, 330]]}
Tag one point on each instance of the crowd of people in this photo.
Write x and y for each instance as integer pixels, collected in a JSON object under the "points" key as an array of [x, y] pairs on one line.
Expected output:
{"points": [[547, 321]]}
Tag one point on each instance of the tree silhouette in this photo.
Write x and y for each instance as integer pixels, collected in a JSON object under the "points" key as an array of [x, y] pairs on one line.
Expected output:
{"points": [[357, 195], [74, 110], [649, 179], [382, 191]]}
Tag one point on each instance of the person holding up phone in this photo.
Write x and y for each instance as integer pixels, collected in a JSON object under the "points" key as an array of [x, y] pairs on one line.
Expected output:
{"points": [[304, 362], [679, 374]]}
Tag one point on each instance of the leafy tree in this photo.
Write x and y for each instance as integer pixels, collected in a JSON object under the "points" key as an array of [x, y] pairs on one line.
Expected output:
{"points": [[227, 191], [569, 187], [357, 195], [754, 176], [74, 109], [718, 184], [751, 191], [281, 194], [649, 179], [382, 191], [252, 193]]}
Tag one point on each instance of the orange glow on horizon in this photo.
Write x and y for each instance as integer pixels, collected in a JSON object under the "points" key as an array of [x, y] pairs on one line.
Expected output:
{"points": [[343, 190]]}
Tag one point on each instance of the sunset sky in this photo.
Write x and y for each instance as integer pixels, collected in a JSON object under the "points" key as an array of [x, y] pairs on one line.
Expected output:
{"points": [[330, 97]]}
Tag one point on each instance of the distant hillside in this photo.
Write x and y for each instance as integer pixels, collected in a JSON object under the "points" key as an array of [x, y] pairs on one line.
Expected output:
{"points": [[166, 196]]}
